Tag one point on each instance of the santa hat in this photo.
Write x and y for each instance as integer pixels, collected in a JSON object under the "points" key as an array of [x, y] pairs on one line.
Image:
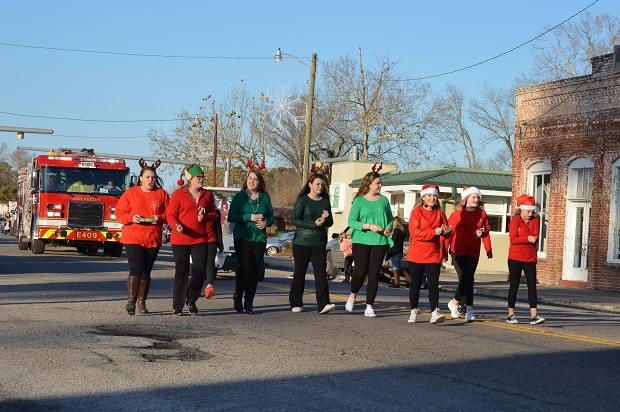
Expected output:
{"points": [[469, 190], [430, 189], [526, 202]]}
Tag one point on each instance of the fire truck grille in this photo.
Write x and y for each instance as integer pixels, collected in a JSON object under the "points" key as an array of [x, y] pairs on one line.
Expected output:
{"points": [[85, 214]]}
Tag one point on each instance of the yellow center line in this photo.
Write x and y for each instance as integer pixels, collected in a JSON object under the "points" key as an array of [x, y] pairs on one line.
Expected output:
{"points": [[490, 323]]}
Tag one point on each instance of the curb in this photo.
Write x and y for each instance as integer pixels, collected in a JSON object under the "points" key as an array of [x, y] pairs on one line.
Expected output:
{"points": [[545, 301]]}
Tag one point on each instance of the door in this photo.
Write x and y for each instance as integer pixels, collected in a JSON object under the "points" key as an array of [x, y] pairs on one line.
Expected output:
{"points": [[576, 241]]}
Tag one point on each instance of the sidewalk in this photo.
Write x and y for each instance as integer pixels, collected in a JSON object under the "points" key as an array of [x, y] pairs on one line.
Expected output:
{"points": [[496, 286]]}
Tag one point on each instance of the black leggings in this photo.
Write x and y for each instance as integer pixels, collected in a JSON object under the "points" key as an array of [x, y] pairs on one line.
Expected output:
{"points": [[250, 257], [304, 255], [515, 267], [141, 260], [416, 271], [188, 286], [467, 265], [368, 261]]}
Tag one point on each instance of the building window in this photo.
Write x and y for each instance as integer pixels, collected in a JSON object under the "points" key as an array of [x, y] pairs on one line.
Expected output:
{"points": [[539, 177], [614, 221]]}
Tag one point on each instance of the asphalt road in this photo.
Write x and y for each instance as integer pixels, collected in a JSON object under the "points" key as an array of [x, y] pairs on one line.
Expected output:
{"points": [[66, 343]]}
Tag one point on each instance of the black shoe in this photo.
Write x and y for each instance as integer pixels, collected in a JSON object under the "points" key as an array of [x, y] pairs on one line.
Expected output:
{"points": [[238, 305], [394, 285], [462, 309], [423, 287], [346, 281], [193, 310], [250, 311], [178, 313]]}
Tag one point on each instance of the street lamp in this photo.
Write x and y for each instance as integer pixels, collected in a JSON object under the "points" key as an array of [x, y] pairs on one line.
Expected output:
{"points": [[312, 67]]}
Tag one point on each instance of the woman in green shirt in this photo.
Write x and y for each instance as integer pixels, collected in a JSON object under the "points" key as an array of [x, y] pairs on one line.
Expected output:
{"points": [[311, 217], [371, 220], [251, 212]]}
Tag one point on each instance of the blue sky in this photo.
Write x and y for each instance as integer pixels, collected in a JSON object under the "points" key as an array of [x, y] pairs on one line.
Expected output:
{"points": [[426, 38]]}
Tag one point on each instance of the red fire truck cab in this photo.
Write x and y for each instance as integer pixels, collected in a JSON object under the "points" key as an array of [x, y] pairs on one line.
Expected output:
{"points": [[68, 198]]}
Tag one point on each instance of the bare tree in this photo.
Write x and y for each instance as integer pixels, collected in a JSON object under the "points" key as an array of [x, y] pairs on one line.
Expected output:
{"points": [[567, 50], [376, 109], [452, 132], [494, 113], [193, 135]]}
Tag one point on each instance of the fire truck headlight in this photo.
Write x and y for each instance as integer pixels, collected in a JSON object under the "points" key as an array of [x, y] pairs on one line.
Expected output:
{"points": [[54, 214], [54, 206], [112, 217]]}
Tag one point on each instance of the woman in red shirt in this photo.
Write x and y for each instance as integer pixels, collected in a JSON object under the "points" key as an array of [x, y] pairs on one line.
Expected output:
{"points": [[191, 214], [469, 226], [522, 256], [141, 210], [426, 226]]}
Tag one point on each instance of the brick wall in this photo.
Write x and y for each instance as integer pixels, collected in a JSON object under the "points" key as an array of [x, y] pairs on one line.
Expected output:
{"points": [[556, 123]]}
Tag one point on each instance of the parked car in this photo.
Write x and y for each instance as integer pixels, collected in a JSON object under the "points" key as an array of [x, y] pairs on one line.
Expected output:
{"points": [[276, 244], [166, 231]]}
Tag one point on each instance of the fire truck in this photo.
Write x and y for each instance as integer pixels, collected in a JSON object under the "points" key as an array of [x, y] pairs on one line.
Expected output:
{"points": [[68, 198]]}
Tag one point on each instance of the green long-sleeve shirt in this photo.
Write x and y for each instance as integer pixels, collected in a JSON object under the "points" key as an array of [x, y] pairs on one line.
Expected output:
{"points": [[305, 212], [241, 211], [377, 212]]}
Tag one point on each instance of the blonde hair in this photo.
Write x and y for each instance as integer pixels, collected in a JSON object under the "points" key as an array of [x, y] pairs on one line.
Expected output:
{"points": [[518, 213], [420, 202], [463, 203], [398, 223]]}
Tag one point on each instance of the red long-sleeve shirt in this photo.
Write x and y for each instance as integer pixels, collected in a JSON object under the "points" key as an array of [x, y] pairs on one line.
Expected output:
{"points": [[425, 245], [520, 247], [183, 209], [463, 239], [135, 201]]}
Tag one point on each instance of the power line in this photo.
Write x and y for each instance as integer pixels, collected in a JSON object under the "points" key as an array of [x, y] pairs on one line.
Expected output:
{"points": [[165, 56], [94, 120], [100, 137], [501, 54]]}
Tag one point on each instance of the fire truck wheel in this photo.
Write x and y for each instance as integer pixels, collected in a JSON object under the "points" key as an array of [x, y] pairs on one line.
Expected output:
{"points": [[21, 244], [93, 249], [81, 249], [114, 250], [37, 246]]}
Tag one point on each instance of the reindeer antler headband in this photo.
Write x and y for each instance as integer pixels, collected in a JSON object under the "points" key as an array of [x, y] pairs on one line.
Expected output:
{"points": [[144, 165], [250, 165], [318, 169], [379, 168]]}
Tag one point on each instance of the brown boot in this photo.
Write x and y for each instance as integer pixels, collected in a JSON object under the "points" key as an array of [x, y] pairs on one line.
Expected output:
{"points": [[142, 294], [133, 285]]}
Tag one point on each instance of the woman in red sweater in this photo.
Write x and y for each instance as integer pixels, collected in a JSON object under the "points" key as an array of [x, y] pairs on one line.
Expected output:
{"points": [[470, 226], [141, 210], [191, 214], [427, 224], [522, 256]]}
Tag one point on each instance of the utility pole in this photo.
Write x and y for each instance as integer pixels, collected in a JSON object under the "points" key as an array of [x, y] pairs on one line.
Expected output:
{"points": [[214, 167]]}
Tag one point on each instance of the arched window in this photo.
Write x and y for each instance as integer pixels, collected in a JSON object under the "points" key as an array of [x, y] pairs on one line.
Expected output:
{"points": [[539, 178], [614, 219]]}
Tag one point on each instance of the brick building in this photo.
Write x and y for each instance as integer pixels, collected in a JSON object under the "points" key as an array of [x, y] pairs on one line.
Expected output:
{"points": [[567, 155]]}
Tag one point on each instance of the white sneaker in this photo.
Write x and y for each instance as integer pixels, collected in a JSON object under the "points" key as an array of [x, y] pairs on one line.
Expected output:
{"points": [[454, 310], [369, 312], [349, 305], [470, 317], [414, 315], [297, 309], [328, 308], [437, 317]]}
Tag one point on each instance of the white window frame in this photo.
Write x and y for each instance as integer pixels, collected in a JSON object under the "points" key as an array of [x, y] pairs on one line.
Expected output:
{"points": [[614, 217], [540, 169]]}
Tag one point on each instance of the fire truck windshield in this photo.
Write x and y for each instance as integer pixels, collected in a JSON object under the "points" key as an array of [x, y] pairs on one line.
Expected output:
{"points": [[93, 181]]}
